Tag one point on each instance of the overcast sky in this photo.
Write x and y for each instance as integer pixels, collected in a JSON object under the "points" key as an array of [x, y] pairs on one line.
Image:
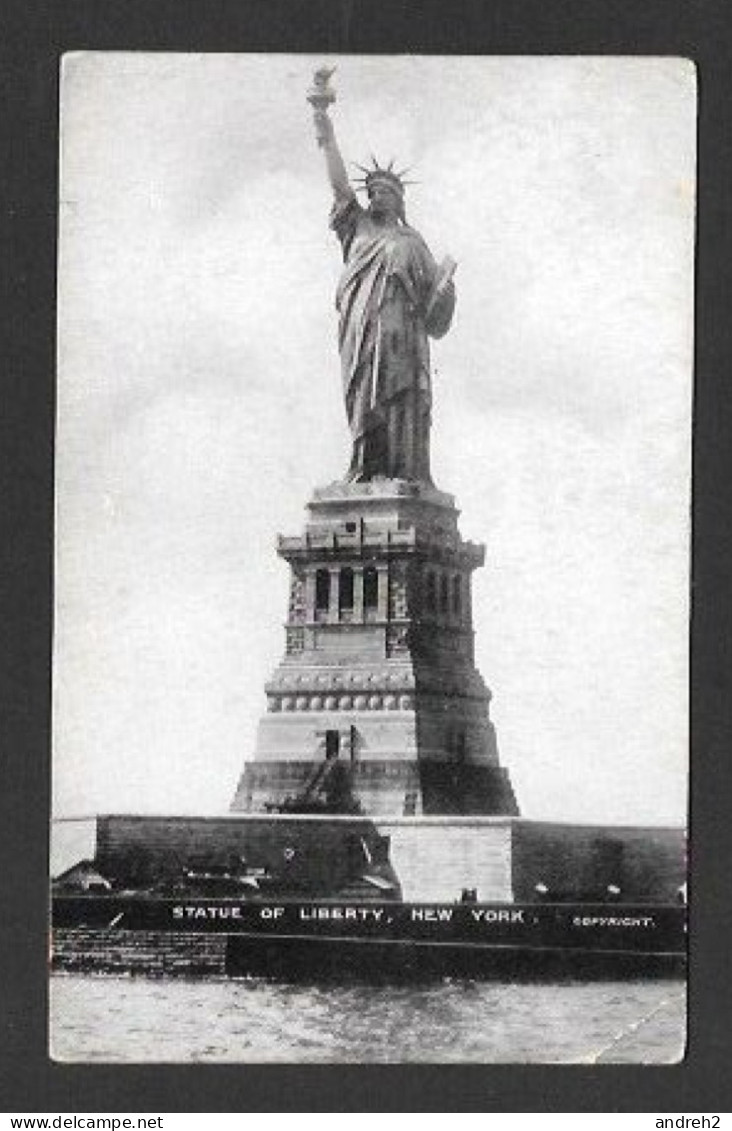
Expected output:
{"points": [[199, 402]]}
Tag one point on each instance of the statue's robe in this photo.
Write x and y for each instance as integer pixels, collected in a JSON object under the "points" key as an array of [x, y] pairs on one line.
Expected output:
{"points": [[383, 296]]}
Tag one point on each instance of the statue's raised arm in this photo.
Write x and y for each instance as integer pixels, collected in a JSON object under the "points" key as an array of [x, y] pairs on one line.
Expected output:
{"points": [[321, 95], [391, 298]]}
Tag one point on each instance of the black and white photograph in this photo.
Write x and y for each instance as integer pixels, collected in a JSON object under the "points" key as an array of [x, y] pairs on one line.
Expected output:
{"points": [[372, 559]]}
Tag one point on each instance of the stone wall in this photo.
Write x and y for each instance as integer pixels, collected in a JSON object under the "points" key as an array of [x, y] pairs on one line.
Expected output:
{"points": [[146, 952], [436, 858]]}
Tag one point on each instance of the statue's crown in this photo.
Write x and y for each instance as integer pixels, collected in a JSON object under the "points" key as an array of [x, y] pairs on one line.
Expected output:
{"points": [[382, 174]]}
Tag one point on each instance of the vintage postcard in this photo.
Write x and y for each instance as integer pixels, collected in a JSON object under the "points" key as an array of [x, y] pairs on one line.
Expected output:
{"points": [[372, 558]]}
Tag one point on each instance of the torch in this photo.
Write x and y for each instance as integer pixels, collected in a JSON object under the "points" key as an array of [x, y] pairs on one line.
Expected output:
{"points": [[321, 95]]}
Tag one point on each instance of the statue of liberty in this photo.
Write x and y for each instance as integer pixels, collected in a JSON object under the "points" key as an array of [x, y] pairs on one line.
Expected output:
{"points": [[391, 297]]}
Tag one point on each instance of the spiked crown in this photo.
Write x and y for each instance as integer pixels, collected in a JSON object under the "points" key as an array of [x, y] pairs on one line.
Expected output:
{"points": [[382, 174]]}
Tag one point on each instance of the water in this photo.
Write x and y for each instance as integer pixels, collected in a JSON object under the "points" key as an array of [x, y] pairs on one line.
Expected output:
{"points": [[112, 1018]]}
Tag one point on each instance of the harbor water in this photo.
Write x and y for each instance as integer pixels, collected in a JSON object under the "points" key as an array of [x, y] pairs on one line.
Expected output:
{"points": [[115, 1018]]}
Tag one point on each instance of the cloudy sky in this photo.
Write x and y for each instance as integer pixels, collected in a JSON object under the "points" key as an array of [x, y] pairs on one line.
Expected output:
{"points": [[199, 402]]}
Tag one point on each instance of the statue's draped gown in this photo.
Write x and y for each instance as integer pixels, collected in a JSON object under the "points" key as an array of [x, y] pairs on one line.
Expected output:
{"points": [[387, 281]]}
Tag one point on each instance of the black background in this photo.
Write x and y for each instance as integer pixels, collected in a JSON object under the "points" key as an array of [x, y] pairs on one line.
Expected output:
{"points": [[32, 38]]}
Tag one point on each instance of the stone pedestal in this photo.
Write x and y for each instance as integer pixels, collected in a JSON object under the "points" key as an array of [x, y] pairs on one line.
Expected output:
{"points": [[377, 705]]}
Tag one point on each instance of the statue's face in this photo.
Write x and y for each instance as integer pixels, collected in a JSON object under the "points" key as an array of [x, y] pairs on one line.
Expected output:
{"points": [[383, 200]]}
